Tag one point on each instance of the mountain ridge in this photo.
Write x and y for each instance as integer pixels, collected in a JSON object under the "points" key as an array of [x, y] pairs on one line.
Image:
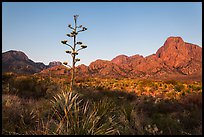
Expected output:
{"points": [[175, 57], [18, 62]]}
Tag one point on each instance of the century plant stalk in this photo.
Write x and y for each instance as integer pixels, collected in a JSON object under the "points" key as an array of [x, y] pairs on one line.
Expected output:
{"points": [[74, 51], [73, 61]]}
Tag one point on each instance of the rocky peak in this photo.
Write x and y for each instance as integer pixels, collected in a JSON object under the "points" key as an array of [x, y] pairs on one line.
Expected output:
{"points": [[173, 40], [18, 62], [55, 63], [121, 59], [15, 55]]}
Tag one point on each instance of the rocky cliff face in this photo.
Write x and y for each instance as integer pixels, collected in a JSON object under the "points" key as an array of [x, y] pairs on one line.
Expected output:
{"points": [[186, 58]]}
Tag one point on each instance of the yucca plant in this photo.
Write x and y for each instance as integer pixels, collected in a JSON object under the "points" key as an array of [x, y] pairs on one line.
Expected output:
{"points": [[73, 117]]}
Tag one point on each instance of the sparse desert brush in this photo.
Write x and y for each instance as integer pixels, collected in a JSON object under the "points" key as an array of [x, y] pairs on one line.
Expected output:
{"points": [[179, 87], [144, 82], [173, 82], [166, 123], [195, 87], [18, 115], [30, 87], [192, 98], [190, 120], [152, 130], [9, 101], [130, 121], [7, 76]]}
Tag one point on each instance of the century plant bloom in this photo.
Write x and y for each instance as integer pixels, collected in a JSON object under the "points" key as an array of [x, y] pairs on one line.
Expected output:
{"points": [[83, 46], [64, 41], [77, 59], [79, 43], [68, 51], [74, 33], [69, 35], [84, 28]]}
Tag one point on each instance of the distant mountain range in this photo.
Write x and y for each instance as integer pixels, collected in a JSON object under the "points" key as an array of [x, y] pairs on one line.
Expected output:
{"points": [[18, 62], [175, 58]]}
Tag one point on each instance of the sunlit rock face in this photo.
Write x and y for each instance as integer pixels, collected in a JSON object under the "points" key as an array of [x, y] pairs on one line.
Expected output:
{"points": [[185, 57]]}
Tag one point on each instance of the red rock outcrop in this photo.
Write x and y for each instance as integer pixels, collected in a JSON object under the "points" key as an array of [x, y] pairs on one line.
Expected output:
{"points": [[186, 58], [175, 57]]}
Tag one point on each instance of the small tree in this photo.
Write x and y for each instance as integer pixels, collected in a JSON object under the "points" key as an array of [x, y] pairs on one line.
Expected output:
{"points": [[74, 51]]}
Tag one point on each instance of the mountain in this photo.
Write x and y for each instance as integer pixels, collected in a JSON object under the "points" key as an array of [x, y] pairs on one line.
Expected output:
{"points": [[105, 68], [175, 59], [186, 58], [18, 62], [56, 70], [54, 63]]}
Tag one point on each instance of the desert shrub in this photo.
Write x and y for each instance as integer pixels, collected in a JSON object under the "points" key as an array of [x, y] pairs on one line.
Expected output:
{"points": [[179, 87], [167, 106], [130, 121], [7, 76], [155, 87], [191, 119], [18, 115], [187, 91], [196, 87], [146, 105], [147, 83], [29, 87], [166, 123], [191, 99], [141, 88], [173, 82], [152, 130], [99, 88]]}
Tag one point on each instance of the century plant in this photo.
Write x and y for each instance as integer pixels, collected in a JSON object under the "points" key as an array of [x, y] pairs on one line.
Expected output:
{"points": [[74, 51]]}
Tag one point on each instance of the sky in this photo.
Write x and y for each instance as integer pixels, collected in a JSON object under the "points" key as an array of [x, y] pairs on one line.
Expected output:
{"points": [[113, 28]]}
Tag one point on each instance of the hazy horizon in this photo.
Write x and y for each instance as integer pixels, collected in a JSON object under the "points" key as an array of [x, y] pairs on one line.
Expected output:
{"points": [[114, 28]]}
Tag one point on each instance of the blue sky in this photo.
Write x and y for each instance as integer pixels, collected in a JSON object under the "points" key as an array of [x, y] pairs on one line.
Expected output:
{"points": [[114, 28]]}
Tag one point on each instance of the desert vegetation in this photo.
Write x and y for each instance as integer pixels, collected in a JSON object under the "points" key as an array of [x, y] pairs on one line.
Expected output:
{"points": [[42, 105]]}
